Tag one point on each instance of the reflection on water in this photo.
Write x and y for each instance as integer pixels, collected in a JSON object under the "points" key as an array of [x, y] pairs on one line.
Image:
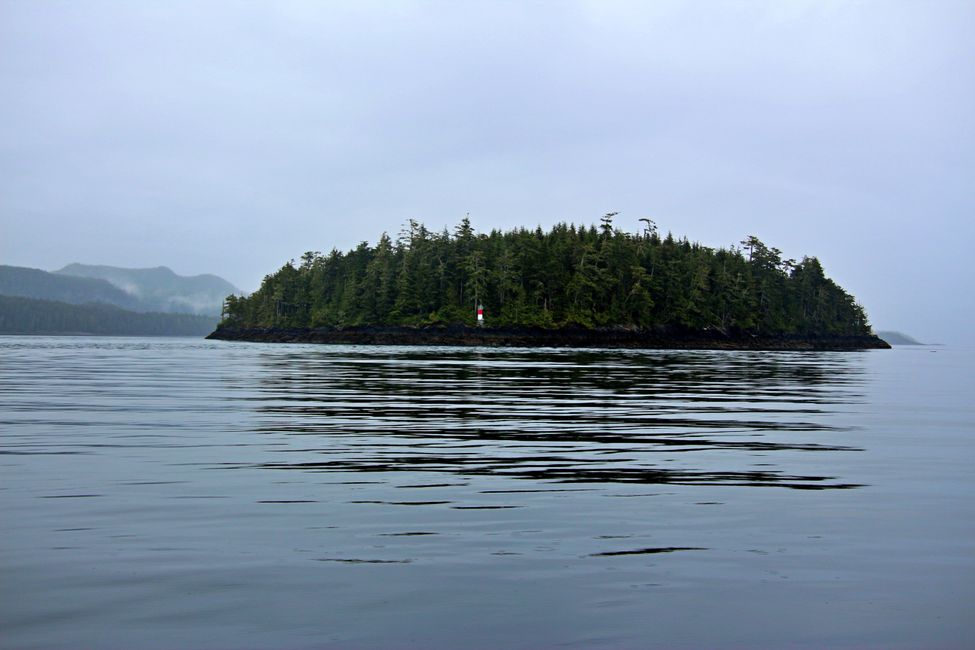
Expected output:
{"points": [[555, 416], [177, 493]]}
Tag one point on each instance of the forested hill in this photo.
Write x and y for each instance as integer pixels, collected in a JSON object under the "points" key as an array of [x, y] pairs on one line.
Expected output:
{"points": [[41, 285], [159, 288], [569, 275], [146, 290], [29, 316]]}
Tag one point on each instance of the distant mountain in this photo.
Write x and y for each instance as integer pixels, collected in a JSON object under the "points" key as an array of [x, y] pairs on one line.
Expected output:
{"points": [[898, 338], [29, 316], [160, 289], [38, 284]]}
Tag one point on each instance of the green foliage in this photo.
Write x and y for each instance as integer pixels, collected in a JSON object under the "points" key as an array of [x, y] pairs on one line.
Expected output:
{"points": [[569, 275]]}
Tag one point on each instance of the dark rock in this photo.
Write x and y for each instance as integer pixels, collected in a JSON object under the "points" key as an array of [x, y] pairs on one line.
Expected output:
{"points": [[536, 337]]}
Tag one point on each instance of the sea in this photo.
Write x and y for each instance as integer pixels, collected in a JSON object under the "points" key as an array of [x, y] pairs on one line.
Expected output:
{"points": [[162, 493]]}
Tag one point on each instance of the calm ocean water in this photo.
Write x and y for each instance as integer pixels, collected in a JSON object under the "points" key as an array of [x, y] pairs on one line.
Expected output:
{"points": [[163, 493]]}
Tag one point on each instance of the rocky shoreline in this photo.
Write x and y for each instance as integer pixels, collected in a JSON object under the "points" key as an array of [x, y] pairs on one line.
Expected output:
{"points": [[536, 337]]}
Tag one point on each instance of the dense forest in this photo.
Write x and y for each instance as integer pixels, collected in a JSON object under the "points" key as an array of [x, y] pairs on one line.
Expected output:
{"points": [[589, 276], [30, 316]]}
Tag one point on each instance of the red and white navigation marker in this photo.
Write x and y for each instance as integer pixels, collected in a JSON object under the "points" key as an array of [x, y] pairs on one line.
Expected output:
{"points": [[480, 314]]}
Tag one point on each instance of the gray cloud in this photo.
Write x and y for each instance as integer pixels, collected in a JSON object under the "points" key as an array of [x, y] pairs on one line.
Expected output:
{"points": [[228, 137]]}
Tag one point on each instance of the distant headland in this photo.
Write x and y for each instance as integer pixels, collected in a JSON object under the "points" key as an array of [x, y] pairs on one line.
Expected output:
{"points": [[109, 301], [899, 338], [570, 286]]}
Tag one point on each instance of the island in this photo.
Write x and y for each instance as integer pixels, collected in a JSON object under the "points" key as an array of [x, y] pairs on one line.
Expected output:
{"points": [[570, 286], [899, 338]]}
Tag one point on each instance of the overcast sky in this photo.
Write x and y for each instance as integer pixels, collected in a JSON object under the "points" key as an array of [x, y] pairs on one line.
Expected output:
{"points": [[229, 137]]}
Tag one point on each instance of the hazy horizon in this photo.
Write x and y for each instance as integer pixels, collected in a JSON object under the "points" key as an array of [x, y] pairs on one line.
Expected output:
{"points": [[227, 138]]}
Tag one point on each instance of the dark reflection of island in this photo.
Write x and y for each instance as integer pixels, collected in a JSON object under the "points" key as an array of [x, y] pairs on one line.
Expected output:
{"points": [[689, 418]]}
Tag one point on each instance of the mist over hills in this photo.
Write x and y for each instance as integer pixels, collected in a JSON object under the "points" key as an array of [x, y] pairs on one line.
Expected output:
{"points": [[107, 300], [20, 315], [41, 285], [159, 288]]}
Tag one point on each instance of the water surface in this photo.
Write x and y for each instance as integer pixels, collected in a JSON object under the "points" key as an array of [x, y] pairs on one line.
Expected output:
{"points": [[172, 492]]}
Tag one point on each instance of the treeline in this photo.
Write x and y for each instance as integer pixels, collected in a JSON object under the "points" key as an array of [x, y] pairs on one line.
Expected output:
{"points": [[569, 275], [30, 316]]}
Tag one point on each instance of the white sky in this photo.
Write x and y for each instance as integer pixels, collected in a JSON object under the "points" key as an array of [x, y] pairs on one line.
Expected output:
{"points": [[229, 137]]}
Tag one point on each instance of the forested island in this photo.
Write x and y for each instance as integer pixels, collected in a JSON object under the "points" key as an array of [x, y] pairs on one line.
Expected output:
{"points": [[571, 285], [899, 338]]}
